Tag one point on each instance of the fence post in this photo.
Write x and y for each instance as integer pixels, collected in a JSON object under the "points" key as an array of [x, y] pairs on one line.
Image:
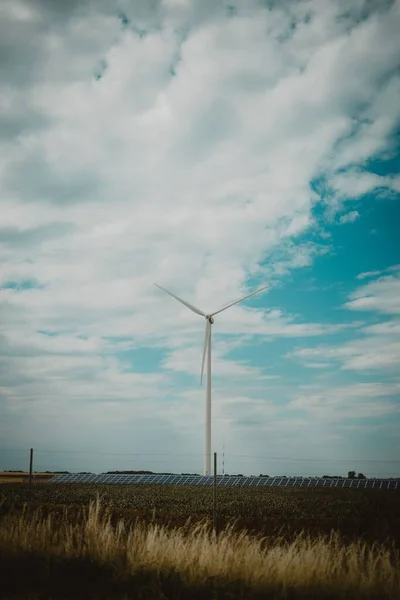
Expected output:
{"points": [[215, 495], [30, 471]]}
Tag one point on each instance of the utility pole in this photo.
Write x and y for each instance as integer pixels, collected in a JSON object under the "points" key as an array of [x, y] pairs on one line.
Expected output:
{"points": [[30, 471], [215, 495]]}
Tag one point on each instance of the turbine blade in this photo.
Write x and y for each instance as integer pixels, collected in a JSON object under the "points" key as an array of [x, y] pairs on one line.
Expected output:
{"points": [[240, 300], [206, 337], [192, 308]]}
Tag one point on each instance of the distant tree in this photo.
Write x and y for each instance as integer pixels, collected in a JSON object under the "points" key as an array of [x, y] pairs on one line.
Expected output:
{"points": [[130, 473], [361, 476], [351, 475]]}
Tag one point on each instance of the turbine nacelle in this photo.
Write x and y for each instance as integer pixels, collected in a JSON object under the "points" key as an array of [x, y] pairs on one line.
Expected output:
{"points": [[210, 319]]}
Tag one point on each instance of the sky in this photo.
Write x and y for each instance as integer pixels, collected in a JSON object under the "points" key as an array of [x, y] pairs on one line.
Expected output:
{"points": [[213, 148]]}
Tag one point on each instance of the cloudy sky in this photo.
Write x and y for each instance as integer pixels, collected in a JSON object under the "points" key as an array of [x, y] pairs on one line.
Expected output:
{"points": [[211, 147]]}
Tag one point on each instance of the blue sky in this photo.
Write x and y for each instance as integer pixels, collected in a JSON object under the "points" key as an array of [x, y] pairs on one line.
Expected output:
{"points": [[212, 150]]}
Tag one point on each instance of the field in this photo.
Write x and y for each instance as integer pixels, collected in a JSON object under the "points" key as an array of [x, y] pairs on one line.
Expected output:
{"points": [[271, 543], [18, 477]]}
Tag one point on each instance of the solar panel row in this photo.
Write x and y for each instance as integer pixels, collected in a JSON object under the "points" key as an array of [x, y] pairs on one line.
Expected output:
{"points": [[227, 480]]}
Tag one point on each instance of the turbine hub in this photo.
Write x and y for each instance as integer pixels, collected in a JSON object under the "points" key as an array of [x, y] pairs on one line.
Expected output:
{"points": [[210, 319]]}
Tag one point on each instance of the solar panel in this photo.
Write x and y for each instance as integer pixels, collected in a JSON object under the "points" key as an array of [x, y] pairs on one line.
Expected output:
{"points": [[225, 480]]}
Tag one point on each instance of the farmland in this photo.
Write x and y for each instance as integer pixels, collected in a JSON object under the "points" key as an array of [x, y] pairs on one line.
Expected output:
{"points": [[22, 477], [64, 522], [371, 515]]}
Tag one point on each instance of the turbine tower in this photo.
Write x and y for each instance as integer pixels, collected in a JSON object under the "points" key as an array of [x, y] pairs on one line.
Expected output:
{"points": [[209, 317]]}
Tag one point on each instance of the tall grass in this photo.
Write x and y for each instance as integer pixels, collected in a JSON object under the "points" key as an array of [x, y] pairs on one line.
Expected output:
{"points": [[307, 567]]}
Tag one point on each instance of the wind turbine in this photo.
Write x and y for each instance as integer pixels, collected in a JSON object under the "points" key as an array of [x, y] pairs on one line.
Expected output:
{"points": [[209, 317]]}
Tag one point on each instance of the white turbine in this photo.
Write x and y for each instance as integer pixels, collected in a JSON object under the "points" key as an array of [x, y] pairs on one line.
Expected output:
{"points": [[207, 352]]}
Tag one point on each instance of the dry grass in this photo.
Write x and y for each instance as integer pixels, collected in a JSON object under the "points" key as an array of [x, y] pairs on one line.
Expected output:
{"points": [[368, 515], [18, 477], [193, 555]]}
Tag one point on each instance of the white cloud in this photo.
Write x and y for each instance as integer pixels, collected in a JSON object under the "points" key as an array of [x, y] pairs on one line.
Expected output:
{"points": [[377, 346], [354, 184], [382, 295], [357, 401], [360, 355], [349, 217], [368, 274], [198, 180], [378, 350], [188, 360]]}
